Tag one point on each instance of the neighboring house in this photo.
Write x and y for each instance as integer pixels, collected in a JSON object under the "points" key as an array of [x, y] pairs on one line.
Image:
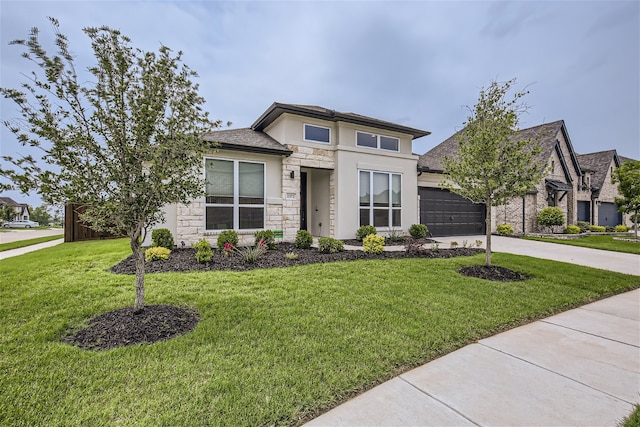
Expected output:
{"points": [[21, 209], [596, 200], [446, 213], [304, 167]]}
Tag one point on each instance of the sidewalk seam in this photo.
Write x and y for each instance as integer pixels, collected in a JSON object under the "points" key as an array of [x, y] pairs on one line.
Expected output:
{"points": [[439, 401], [556, 373], [589, 333]]}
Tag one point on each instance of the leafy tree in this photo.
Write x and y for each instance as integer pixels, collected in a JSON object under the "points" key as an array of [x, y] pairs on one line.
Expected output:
{"points": [[41, 215], [494, 164], [123, 144], [7, 213], [628, 178]]}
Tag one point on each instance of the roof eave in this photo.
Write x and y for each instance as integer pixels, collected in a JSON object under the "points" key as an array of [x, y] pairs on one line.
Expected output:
{"points": [[257, 150], [277, 109]]}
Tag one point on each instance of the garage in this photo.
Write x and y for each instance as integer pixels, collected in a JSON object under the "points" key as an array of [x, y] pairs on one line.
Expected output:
{"points": [[608, 215], [448, 214]]}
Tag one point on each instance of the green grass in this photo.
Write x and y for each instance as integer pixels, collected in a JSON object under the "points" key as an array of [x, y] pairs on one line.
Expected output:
{"points": [[29, 242], [606, 243], [633, 420], [273, 347]]}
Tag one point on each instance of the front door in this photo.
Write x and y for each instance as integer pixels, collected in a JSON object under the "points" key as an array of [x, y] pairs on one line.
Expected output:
{"points": [[303, 200]]}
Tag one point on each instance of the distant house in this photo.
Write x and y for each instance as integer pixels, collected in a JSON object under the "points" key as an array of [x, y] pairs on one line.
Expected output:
{"points": [[575, 184], [304, 167], [596, 198], [21, 209]]}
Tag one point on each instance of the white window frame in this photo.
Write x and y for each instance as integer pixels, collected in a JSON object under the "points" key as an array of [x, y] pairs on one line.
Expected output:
{"points": [[389, 208], [236, 195], [378, 136], [304, 133]]}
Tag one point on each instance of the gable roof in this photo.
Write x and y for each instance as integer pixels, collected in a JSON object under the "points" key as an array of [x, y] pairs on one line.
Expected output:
{"points": [[246, 139], [8, 201], [598, 164], [313, 111], [547, 134]]}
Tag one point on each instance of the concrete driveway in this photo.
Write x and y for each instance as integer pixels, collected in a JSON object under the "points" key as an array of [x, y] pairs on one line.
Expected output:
{"points": [[577, 368], [604, 260], [26, 234]]}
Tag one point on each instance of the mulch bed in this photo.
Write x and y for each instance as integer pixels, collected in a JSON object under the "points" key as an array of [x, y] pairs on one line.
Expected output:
{"points": [[125, 327], [185, 259], [497, 274]]}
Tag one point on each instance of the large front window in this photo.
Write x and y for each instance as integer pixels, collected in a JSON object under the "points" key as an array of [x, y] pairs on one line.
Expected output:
{"points": [[235, 195], [380, 199]]}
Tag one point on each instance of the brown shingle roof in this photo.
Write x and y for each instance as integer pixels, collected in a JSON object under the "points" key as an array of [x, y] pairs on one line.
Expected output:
{"points": [[246, 139], [8, 201], [547, 133], [598, 164], [277, 109]]}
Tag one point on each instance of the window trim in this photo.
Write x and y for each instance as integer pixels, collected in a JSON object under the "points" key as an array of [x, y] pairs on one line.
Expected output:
{"points": [[236, 205], [378, 142], [304, 133], [390, 208]]}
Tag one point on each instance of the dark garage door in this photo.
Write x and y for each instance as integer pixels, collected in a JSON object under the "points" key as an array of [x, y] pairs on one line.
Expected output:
{"points": [[608, 215], [584, 211], [448, 214]]}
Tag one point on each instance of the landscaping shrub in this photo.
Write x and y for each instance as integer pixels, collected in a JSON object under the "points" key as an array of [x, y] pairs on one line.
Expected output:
{"points": [[204, 252], [418, 231], [373, 244], [268, 237], [584, 226], [364, 231], [395, 235], [227, 236], [330, 245], [505, 229], [157, 253], [622, 228], [551, 217], [572, 229], [291, 256], [228, 249], [304, 239], [162, 238], [609, 229], [251, 254], [597, 228]]}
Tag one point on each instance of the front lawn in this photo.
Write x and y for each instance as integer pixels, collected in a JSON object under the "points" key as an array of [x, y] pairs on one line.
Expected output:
{"points": [[605, 242], [273, 346], [29, 242]]}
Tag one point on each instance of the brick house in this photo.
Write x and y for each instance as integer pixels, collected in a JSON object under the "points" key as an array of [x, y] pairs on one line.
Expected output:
{"points": [[596, 198], [565, 185]]}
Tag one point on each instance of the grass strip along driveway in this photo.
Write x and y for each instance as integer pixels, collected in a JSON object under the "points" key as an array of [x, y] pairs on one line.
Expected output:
{"points": [[606, 243], [273, 347], [29, 242]]}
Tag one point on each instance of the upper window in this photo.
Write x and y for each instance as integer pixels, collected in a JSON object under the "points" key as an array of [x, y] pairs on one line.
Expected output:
{"points": [[317, 133], [235, 195], [371, 140], [380, 199]]}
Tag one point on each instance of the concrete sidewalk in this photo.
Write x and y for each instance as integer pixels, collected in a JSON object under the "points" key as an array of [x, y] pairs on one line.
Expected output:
{"points": [[577, 368], [20, 251]]}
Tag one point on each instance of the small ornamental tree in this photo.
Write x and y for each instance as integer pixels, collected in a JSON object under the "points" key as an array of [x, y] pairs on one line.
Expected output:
{"points": [[123, 140], [628, 178], [493, 164], [41, 215], [7, 213]]}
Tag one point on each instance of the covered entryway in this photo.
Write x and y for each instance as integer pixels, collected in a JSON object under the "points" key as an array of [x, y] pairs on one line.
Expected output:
{"points": [[448, 214], [608, 215]]}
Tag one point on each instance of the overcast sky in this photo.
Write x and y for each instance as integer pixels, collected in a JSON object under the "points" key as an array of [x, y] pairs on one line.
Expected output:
{"points": [[415, 63]]}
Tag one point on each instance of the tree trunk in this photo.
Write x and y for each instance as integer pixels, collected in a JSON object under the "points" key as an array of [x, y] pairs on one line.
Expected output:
{"points": [[138, 253], [487, 220], [635, 225]]}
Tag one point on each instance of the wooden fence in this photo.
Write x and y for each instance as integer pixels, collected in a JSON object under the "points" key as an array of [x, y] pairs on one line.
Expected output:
{"points": [[75, 230]]}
